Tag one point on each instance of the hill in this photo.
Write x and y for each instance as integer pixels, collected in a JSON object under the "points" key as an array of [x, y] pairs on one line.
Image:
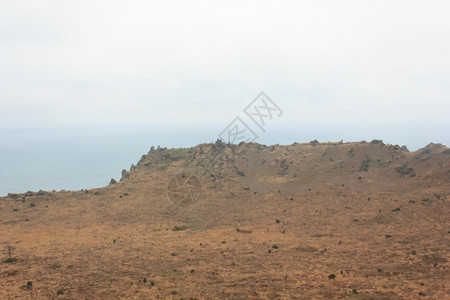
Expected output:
{"points": [[358, 220]]}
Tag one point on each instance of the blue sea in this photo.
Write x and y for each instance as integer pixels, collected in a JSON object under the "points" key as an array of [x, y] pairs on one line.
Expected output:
{"points": [[75, 158]]}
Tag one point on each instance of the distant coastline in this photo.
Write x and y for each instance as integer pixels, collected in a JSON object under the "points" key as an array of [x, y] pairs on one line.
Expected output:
{"points": [[76, 158]]}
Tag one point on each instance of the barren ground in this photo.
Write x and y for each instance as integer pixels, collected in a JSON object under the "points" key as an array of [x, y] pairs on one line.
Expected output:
{"points": [[252, 221]]}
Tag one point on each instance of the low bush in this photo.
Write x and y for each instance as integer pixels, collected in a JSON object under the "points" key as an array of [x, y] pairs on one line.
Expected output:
{"points": [[405, 170], [364, 166]]}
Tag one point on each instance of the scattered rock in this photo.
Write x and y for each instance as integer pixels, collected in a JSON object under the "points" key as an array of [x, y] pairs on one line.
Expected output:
{"points": [[125, 174], [377, 142]]}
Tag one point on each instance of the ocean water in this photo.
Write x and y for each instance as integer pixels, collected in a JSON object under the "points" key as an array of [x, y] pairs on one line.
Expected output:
{"points": [[75, 158]]}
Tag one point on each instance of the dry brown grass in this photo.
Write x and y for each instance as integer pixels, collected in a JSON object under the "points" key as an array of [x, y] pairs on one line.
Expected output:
{"points": [[129, 241]]}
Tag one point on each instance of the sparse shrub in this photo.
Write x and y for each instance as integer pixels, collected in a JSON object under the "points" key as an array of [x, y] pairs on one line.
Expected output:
{"points": [[315, 142], [413, 252], [405, 170], [364, 166], [27, 286], [56, 265], [396, 210], [351, 152], [331, 276], [277, 221], [60, 292], [355, 291], [152, 283], [275, 246], [179, 228], [10, 259], [240, 173], [388, 236], [32, 205], [247, 188]]}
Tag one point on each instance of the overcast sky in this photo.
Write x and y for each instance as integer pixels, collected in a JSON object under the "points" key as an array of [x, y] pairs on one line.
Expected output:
{"points": [[201, 62]]}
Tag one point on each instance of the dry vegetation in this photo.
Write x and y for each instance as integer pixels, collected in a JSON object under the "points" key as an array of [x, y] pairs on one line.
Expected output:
{"points": [[304, 221]]}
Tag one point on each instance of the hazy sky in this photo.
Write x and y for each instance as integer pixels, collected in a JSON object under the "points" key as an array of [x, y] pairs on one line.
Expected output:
{"points": [[201, 62]]}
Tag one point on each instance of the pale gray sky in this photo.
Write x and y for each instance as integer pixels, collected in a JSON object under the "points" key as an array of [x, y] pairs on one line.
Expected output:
{"points": [[201, 62]]}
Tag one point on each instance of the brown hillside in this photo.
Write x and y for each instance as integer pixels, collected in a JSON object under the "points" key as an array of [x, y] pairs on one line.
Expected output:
{"points": [[220, 221]]}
